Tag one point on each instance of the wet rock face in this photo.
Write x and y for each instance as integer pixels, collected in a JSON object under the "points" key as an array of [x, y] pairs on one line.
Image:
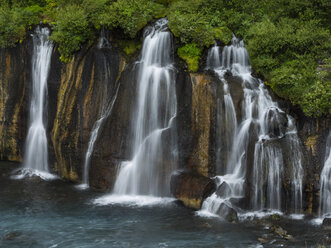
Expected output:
{"points": [[228, 213], [313, 134], [278, 123], [204, 95], [15, 76], [191, 189], [112, 145], [85, 86]]}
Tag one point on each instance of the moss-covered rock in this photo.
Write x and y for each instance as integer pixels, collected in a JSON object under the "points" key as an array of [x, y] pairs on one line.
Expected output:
{"points": [[191, 53]]}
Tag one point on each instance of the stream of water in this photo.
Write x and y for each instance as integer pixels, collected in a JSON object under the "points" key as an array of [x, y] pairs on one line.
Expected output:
{"points": [[261, 123], [155, 110], [36, 148]]}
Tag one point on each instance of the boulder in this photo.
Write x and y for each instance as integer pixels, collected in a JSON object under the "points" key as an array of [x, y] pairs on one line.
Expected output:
{"points": [[327, 223], [191, 189], [227, 212]]}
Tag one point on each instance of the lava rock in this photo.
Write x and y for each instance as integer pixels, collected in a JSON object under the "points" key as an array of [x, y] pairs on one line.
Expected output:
{"points": [[191, 189], [277, 122], [228, 213], [223, 190], [279, 231], [327, 223]]}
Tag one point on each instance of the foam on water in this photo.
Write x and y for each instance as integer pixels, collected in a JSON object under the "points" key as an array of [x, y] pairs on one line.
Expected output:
{"points": [[133, 200], [258, 214], [296, 216], [26, 172]]}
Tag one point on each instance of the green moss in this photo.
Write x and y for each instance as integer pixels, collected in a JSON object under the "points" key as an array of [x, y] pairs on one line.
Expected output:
{"points": [[130, 47], [223, 34], [191, 54]]}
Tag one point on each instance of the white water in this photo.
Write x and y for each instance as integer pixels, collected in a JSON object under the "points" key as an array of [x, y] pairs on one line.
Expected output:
{"points": [[260, 121], [146, 173], [325, 181], [36, 155], [133, 200]]}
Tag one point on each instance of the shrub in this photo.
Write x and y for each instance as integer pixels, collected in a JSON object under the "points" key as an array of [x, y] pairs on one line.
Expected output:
{"points": [[131, 15], [71, 31], [15, 21]]}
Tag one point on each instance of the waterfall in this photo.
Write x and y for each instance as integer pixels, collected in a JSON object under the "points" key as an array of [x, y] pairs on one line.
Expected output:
{"points": [[105, 112], [261, 123], [155, 110], [325, 182], [36, 154]]}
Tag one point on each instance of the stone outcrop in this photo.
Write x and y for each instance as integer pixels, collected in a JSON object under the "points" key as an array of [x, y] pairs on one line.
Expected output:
{"points": [[14, 80], [191, 189], [85, 86]]}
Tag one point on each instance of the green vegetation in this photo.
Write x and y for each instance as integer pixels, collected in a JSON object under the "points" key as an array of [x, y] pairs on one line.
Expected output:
{"points": [[14, 21], [131, 15], [130, 47], [191, 54], [71, 30], [289, 41]]}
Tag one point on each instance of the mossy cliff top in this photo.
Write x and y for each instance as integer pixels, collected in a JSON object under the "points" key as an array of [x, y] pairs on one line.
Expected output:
{"points": [[289, 42]]}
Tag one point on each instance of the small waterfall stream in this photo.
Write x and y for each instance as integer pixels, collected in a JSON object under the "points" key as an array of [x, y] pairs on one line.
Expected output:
{"points": [[261, 122], [325, 181], [106, 111], [155, 109], [36, 154]]}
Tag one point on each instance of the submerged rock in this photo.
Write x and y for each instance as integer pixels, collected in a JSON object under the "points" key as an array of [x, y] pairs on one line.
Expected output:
{"points": [[191, 189], [12, 235]]}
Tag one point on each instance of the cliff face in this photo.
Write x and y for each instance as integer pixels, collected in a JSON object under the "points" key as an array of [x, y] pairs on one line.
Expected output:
{"points": [[14, 80], [83, 88], [313, 133], [77, 94]]}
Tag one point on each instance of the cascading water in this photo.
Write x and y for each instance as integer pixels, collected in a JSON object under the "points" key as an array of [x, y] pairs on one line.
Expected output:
{"points": [[147, 173], [106, 111], [36, 154], [325, 185], [261, 122]]}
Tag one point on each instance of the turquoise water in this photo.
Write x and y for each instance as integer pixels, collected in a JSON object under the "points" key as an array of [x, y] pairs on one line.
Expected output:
{"points": [[35, 213]]}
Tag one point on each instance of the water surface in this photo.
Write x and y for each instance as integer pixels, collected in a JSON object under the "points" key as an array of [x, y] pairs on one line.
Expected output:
{"points": [[36, 213]]}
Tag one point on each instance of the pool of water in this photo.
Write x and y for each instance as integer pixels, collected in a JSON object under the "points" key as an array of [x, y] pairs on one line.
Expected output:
{"points": [[36, 213]]}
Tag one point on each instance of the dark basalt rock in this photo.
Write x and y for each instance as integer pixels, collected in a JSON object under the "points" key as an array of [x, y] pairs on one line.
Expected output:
{"points": [[191, 189], [327, 223], [277, 122], [227, 212]]}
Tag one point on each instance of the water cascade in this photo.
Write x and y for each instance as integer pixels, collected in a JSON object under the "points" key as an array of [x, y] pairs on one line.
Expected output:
{"points": [[36, 154], [105, 112], [325, 185], [153, 118], [261, 123]]}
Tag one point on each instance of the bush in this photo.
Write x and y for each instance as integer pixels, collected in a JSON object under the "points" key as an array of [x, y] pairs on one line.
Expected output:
{"points": [[72, 29], [131, 15], [287, 54], [15, 21]]}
